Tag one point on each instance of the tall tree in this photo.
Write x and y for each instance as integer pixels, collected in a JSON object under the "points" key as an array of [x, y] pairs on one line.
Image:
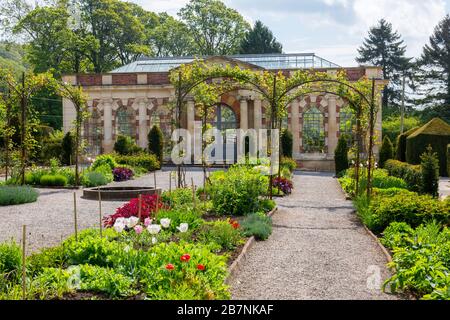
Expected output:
{"points": [[171, 38], [216, 29], [260, 40], [433, 73], [384, 47]]}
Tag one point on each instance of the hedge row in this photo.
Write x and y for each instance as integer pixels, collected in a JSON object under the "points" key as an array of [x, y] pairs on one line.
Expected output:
{"points": [[412, 174]]}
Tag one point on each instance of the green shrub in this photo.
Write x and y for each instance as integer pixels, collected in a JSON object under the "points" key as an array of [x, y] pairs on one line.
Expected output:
{"points": [[430, 173], [12, 195], [102, 160], [400, 154], [286, 143], [222, 233], [237, 191], [288, 163], [421, 260], [448, 159], [412, 174], [341, 156], [144, 160], [178, 197], [156, 143], [386, 151], [53, 180], [94, 179], [391, 126], [390, 191], [257, 225], [125, 145], [10, 262], [411, 208], [435, 133], [68, 149]]}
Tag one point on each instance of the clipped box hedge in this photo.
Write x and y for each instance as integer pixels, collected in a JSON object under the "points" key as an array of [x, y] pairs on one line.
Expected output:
{"points": [[435, 133], [412, 174], [401, 144]]}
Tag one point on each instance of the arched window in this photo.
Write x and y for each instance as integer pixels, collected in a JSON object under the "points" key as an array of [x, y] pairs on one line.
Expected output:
{"points": [[125, 122], [313, 131], [93, 134], [346, 123]]}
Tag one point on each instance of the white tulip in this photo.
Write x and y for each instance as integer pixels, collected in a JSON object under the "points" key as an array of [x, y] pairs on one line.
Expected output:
{"points": [[154, 240], [165, 223], [121, 220], [154, 228], [119, 226], [131, 222], [183, 227]]}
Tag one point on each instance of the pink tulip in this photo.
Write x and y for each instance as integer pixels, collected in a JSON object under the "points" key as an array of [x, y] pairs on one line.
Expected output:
{"points": [[138, 229], [147, 222]]}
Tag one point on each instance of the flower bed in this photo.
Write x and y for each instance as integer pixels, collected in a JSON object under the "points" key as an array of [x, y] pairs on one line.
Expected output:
{"points": [[173, 250], [412, 226]]}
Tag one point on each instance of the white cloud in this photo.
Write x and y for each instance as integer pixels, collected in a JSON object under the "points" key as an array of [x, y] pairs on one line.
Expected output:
{"points": [[169, 6]]}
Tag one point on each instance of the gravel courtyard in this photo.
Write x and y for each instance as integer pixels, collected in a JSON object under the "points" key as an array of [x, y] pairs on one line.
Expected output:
{"points": [[50, 219], [318, 249]]}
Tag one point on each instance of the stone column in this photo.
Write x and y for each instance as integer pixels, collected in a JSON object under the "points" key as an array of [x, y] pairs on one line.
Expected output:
{"points": [[295, 121], [107, 125], [244, 114], [143, 130], [257, 114], [332, 125]]}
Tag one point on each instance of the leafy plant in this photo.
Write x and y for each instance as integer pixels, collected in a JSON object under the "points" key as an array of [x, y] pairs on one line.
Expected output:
{"points": [[386, 151], [122, 174], [12, 195], [430, 173], [156, 143], [178, 197], [224, 233], [125, 145], [341, 156], [102, 160], [143, 160], [285, 185], [258, 225]]}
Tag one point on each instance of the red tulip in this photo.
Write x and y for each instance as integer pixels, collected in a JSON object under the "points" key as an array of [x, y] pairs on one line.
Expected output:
{"points": [[185, 258], [170, 266], [200, 267]]}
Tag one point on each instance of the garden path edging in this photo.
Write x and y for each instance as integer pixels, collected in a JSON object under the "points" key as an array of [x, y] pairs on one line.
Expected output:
{"points": [[234, 268]]}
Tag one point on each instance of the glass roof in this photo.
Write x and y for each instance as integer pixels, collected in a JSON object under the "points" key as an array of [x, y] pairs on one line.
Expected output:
{"points": [[266, 61]]}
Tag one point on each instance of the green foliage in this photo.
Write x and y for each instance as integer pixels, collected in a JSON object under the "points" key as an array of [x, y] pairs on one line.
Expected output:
{"points": [[391, 127], [258, 225], [410, 173], [400, 153], [221, 233], [288, 163], [93, 179], [125, 145], [341, 155], [237, 191], [105, 159], [421, 259], [448, 158], [430, 172], [435, 133], [286, 143], [10, 262], [260, 40], [411, 208], [53, 180], [143, 160], [386, 151], [178, 197], [156, 143], [224, 38], [68, 147], [12, 195]]}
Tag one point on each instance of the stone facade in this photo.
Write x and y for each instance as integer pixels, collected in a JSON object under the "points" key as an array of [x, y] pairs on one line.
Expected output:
{"points": [[143, 99]]}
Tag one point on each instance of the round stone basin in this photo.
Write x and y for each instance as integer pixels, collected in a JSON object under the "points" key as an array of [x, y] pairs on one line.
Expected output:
{"points": [[118, 193]]}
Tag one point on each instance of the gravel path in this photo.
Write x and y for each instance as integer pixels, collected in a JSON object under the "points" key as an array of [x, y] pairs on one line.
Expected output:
{"points": [[318, 250], [50, 219]]}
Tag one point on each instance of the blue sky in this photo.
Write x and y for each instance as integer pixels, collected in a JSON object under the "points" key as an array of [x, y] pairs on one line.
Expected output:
{"points": [[332, 29]]}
